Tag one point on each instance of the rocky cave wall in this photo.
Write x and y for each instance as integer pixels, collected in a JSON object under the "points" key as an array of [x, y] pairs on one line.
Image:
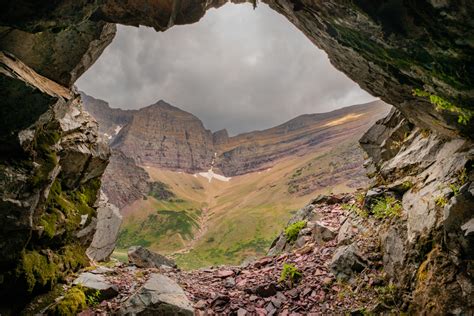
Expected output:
{"points": [[415, 55]]}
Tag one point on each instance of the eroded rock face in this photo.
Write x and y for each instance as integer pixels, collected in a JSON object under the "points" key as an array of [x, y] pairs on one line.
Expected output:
{"points": [[49, 55], [432, 175], [390, 48], [49, 178], [124, 181]]}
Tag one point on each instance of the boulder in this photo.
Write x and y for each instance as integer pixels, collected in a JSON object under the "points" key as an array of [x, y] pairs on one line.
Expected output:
{"points": [[393, 251], [106, 234], [347, 232], [278, 245], [144, 258], [322, 233], [96, 282], [347, 261], [158, 296]]}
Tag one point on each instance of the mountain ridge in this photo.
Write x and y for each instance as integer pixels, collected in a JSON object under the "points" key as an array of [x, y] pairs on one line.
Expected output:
{"points": [[164, 136]]}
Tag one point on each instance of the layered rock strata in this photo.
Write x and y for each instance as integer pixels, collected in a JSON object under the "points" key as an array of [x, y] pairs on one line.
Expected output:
{"points": [[164, 136]]}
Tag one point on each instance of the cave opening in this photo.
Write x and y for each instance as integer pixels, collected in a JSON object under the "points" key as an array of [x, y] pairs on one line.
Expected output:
{"points": [[407, 233], [253, 83]]}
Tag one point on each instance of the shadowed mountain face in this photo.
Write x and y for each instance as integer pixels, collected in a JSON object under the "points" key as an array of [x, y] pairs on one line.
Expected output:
{"points": [[164, 136]]}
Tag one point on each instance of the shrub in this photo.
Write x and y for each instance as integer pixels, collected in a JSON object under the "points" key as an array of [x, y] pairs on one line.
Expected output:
{"points": [[292, 231], [455, 188], [387, 207], [161, 191], [290, 273]]}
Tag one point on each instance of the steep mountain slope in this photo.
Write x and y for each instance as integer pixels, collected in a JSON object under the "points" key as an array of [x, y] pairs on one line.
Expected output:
{"points": [[164, 136], [259, 150], [167, 137], [213, 219]]}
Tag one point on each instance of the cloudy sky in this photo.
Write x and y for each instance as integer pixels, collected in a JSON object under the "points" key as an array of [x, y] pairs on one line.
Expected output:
{"points": [[237, 68]]}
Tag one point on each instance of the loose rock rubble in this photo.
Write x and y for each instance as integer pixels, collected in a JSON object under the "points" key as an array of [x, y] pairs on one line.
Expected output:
{"points": [[256, 288]]}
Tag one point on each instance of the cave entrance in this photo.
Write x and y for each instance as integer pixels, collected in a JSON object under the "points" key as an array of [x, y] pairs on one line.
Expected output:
{"points": [[218, 192]]}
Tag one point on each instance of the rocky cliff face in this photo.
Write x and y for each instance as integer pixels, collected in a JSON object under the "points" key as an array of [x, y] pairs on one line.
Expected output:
{"points": [[167, 137], [430, 246], [259, 150], [123, 181], [111, 120], [50, 171]]}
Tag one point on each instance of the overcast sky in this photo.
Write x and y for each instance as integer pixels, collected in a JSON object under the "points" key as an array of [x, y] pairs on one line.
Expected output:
{"points": [[237, 68]]}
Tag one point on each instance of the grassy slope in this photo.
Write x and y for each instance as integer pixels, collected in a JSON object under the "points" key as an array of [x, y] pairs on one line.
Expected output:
{"points": [[226, 222], [229, 221]]}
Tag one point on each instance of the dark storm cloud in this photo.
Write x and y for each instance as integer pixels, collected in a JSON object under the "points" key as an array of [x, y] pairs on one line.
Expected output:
{"points": [[237, 68]]}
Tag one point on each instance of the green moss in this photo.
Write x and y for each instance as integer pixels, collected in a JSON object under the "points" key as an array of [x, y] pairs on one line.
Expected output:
{"points": [[292, 231], [441, 104], [73, 302], [407, 185], [387, 207], [38, 270], [45, 138], [290, 273], [64, 209], [45, 269]]}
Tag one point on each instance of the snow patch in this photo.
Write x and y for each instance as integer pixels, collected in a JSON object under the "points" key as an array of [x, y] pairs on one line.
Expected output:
{"points": [[211, 175], [117, 129]]}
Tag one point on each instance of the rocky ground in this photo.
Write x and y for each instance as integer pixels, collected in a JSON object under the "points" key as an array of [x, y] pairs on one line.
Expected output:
{"points": [[257, 288]]}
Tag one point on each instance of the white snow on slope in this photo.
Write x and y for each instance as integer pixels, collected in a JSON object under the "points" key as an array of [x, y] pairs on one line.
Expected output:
{"points": [[211, 175]]}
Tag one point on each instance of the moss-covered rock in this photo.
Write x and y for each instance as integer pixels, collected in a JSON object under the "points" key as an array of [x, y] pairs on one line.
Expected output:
{"points": [[47, 195], [72, 303]]}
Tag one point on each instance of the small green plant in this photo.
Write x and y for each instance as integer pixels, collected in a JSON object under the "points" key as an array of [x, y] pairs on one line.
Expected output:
{"points": [[387, 207], [462, 176], [360, 198], [388, 295], [292, 231], [354, 208], [407, 185], [290, 273], [441, 200], [93, 298], [455, 187], [464, 115]]}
